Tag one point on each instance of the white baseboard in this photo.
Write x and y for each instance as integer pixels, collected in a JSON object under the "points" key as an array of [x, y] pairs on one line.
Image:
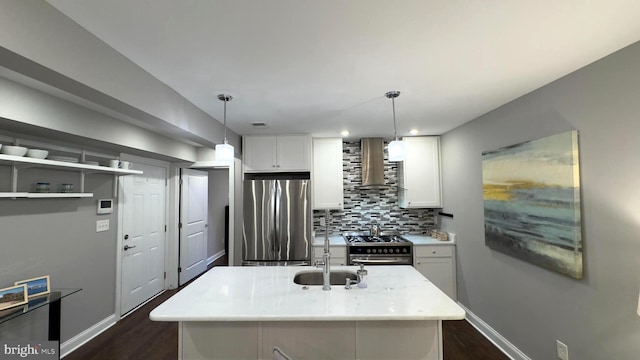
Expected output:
{"points": [[75, 342], [215, 257], [492, 335]]}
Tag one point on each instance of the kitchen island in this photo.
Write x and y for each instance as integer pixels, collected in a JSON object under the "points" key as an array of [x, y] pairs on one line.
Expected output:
{"points": [[247, 312]]}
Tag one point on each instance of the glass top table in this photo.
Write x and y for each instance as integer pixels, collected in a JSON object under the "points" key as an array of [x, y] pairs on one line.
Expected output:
{"points": [[35, 303]]}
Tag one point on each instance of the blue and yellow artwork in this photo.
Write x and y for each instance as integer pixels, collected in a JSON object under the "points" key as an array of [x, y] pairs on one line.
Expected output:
{"points": [[531, 195]]}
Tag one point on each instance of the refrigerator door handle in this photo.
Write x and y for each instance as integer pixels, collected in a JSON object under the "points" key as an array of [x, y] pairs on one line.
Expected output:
{"points": [[277, 208]]}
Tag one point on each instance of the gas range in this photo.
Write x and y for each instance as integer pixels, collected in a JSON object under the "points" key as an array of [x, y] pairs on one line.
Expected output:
{"points": [[378, 250], [357, 239]]}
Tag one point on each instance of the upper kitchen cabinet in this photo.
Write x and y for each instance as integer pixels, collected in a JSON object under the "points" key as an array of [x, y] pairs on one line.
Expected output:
{"points": [[327, 184], [281, 153], [419, 174]]}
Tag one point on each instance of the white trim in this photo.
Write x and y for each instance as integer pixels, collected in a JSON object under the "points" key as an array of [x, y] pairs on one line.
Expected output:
{"points": [[173, 233], [84, 337], [172, 252], [215, 257], [495, 337], [232, 197]]}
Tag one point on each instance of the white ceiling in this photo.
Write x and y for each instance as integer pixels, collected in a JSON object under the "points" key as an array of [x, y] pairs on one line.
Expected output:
{"points": [[305, 66]]}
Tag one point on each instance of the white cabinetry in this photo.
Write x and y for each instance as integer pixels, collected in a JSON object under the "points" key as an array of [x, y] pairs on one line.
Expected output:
{"points": [[338, 254], [438, 264], [276, 153], [327, 184], [419, 173]]}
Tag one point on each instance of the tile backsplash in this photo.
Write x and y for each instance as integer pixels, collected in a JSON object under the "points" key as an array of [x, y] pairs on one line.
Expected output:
{"points": [[361, 207]]}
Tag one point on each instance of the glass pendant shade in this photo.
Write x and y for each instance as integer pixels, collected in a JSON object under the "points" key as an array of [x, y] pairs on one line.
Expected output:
{"points": [[224, 153], [397, 150]]}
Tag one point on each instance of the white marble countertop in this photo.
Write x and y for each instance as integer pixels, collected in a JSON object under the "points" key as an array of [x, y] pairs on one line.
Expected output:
{"points": [[426, 240], [334, 240], [269, 294]]}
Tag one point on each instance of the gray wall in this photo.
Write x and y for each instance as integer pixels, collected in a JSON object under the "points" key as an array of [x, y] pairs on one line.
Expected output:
{"points": [[529, 305], [218, 199], [58, 237], [38, 41], [47, 114]]}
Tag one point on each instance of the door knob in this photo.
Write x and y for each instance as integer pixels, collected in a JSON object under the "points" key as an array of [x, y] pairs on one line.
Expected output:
{"points": [[127, 247]]}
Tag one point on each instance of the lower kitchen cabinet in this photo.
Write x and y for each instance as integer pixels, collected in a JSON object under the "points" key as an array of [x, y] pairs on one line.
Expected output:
{"points": [[338, 255], [438, 264]]}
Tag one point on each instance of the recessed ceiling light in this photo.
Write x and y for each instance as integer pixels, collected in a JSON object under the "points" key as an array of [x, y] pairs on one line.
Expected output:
{"points": [[413, 131], [345, 133]]}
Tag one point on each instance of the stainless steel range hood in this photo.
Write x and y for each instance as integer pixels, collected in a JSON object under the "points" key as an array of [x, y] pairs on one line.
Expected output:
{"points": [[372, 164]]}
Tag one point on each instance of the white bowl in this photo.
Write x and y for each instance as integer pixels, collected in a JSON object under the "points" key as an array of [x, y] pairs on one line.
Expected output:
{"points": [[14, 150], [36, 153]]}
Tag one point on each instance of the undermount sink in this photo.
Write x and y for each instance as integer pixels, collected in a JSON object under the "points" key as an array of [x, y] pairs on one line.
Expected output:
{"points": [[315, 277]]}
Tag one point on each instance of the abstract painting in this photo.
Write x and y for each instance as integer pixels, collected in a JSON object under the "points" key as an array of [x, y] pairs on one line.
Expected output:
{"points": [[531, 195]]}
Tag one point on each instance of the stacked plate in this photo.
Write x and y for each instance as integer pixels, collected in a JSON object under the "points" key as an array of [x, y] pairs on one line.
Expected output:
{"points": [[64, 158]]}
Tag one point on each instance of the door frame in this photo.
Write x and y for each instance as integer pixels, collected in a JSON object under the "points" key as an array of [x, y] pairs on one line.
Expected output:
{"points": [[172, 249], [233, 178], [119, 244]]}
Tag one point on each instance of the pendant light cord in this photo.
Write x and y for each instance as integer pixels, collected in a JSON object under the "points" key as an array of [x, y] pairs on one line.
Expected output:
{"points": [[395, 133], [225, 119], [225, 98], [393, 95]]}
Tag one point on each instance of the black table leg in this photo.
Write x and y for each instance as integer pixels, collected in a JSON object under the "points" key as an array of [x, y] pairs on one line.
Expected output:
{"points": [[54, 322]]}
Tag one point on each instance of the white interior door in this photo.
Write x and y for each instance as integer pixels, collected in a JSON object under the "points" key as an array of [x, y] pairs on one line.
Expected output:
{"points": [[193, 221], [143, 229]]}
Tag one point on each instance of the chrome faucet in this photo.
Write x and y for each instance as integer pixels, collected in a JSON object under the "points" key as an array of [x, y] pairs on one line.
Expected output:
{"points": [[326, 256]]}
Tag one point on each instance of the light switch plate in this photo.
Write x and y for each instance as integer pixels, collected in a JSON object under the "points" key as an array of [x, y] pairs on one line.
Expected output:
{"points": [[563, 350], [102, 225]]}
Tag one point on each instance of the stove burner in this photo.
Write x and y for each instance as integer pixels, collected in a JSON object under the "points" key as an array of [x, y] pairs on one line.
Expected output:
{"points": [[363, 239]]}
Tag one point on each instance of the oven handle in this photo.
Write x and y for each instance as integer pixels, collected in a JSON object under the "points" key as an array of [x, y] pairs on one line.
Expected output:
{"points": [[375, 261]]}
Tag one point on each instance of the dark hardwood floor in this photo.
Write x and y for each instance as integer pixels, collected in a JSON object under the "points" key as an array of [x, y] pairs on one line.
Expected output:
{"points": [[136, 337], [461, 341]]}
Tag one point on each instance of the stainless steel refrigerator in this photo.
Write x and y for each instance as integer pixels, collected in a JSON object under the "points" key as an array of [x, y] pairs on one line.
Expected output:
{"points": [[277, 222]]}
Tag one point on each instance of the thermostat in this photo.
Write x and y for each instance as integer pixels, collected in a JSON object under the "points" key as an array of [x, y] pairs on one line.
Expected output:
{"points": [[105, 206]]}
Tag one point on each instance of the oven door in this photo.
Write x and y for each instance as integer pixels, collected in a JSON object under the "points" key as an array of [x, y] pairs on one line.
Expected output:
{"points": [[380, 260]]}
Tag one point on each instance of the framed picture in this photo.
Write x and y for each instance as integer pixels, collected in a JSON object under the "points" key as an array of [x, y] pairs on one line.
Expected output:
{"points": [[37, 286], [13, 296], [531, 195]]}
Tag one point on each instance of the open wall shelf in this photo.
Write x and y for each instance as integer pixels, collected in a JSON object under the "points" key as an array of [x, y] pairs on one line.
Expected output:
{"points": [[25, 195], [17, 163], [25, 162]]}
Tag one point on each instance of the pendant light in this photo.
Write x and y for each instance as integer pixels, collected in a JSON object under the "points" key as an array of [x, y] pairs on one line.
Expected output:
{"points": [[397, 149], [224, 152]]}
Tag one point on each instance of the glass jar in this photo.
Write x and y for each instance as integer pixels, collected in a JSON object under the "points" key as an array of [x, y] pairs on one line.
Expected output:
{"points": [[66, 188], [43, 187]]}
